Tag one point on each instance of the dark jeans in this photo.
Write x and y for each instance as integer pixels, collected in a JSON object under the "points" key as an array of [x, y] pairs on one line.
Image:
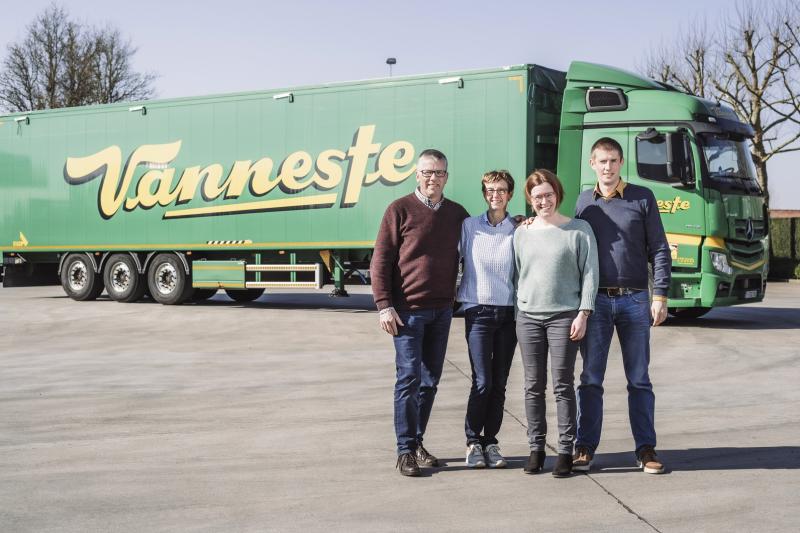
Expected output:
{"points": [[537, 338], [630, 315], [420, 346], [491, 340]]}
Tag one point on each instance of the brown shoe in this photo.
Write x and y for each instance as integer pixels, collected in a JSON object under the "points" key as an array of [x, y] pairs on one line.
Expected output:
{"points": [[424, 457], [407, 464], [582, 460], [647, 460]]}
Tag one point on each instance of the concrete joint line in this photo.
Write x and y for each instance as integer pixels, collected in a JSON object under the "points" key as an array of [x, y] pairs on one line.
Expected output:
{"points": [[555, 451]]}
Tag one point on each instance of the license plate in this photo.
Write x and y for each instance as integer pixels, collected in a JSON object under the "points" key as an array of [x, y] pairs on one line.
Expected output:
{"points": [[750, 294]]}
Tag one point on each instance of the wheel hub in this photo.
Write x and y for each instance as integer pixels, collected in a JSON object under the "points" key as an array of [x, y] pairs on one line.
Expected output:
{"points": [[78, 276], [166, 279], [120, 277]]}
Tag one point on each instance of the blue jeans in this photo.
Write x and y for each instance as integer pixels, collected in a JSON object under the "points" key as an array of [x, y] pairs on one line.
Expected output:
{"points": [[630, 315], [491, 341], [420, 346]]}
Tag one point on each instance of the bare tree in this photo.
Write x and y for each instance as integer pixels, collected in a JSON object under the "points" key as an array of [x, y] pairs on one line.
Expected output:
{"points": [[749, 63], [116, 80], [686, 62], [61, 63]]}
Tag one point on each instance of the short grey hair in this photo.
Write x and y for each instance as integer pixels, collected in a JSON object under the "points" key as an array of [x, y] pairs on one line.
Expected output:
{"points": [[434, 154]]}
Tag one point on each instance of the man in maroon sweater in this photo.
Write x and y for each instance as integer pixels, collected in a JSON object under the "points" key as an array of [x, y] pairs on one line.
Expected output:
{"points": [[414, 268]]}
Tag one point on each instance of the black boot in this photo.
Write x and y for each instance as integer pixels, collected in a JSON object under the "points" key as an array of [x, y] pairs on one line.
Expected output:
{"points": [[407, 464], [535, 463], [563, 467]]}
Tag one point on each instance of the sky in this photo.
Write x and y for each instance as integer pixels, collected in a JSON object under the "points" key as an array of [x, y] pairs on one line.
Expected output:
{"points": [[207, 47]]}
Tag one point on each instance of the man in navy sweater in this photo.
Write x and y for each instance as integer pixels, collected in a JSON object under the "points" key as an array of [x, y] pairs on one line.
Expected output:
{"points": [[630, 236]]}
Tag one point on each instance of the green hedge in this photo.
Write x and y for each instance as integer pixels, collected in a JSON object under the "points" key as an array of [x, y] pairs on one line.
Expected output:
{"points": [[782, 265], [782, 237]]}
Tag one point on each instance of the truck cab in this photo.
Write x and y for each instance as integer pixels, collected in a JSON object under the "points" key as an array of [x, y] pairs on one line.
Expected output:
{"points": [[693, 154]]}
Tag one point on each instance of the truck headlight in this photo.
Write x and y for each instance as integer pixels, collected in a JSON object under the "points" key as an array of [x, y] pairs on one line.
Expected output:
{"points": [[720, 262]]}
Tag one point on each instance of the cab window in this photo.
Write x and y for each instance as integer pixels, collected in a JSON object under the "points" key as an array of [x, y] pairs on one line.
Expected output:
{"points": [[651, 159]]}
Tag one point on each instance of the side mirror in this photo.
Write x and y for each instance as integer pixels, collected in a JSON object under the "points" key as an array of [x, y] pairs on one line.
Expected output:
{"points": [[679, 158]]}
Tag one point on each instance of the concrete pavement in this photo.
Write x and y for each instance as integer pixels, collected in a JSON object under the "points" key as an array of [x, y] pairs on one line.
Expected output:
{"points": [[277, 416]]}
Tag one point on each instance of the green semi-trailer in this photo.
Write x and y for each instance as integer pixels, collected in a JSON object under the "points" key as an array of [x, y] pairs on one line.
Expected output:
{"points": [[286, 188]]}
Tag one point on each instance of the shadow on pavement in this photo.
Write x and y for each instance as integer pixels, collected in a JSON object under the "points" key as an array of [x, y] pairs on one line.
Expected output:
{"points": [[694, 459], [354, 302], [307, 301], [741, 318], [746, 318]]}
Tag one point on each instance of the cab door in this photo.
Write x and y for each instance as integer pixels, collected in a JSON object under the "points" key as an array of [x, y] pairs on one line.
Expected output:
{"points": [[650, 162]]}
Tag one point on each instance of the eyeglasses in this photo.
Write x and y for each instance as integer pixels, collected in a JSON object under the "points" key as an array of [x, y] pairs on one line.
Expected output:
{"points": [[549, 196], [429, 173], [498, 192]]}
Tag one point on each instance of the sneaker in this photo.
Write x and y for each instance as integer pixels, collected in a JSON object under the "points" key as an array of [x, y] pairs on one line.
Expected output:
{"points": [[563, 467], [648, 461], [582, 460], [493, 457], [407, 464], [475, 457], [535, 462], [424, 458]]}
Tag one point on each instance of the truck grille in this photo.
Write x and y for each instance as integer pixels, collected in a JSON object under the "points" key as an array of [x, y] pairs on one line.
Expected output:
{"points": [[755, 232], [746, 252]]}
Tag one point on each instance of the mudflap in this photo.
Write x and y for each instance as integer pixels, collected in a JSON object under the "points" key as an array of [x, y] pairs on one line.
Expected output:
{"points": [[31, 275]]}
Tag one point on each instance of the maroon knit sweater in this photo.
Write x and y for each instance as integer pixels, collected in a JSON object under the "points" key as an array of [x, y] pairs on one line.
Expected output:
{"points": [[415, 262]]}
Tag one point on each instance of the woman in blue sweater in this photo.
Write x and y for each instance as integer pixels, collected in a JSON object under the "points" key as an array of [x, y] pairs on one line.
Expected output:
{"points": [[487, 292], [557, 278]]}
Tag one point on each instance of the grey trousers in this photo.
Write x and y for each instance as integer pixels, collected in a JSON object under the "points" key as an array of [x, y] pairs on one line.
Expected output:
{"points": [[536, 338]]}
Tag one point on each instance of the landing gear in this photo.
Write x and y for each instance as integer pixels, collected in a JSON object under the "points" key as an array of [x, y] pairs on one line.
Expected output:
{"points": [[338, 292]]}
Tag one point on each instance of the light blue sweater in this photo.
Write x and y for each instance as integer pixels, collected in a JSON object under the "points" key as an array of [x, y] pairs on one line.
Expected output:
{"points": [[488, 252], [557, 268]]}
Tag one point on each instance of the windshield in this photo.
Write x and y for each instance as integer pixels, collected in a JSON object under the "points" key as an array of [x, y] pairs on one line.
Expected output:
{"points": [[728, 161]]}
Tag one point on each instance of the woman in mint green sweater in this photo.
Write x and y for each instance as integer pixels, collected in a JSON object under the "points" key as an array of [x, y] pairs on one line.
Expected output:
{"points": [[557, 277]]}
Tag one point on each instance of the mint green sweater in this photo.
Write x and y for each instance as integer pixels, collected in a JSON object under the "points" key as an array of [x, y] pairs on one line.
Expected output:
{"points": [[556, 268]]}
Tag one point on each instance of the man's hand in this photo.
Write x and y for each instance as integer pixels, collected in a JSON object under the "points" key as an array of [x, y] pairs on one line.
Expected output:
{"points": [[521, 220], [578, 328], [389, 320], [658, 310]]}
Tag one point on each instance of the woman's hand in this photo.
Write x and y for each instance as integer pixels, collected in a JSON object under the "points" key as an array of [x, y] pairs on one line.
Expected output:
{"points": [[578, 328]]}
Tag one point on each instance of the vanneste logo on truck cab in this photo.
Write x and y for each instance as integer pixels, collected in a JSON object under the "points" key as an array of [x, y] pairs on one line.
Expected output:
{"points": [[198, 185]]}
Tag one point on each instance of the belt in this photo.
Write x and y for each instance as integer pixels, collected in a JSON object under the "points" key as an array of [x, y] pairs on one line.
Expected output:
{"points": [[617, 291]]}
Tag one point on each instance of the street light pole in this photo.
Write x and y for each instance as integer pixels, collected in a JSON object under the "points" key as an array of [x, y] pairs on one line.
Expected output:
{"points": [[391, 61]]}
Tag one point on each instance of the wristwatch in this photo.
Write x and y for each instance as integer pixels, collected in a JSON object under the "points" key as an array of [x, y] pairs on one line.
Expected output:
{"points": [[586, 312]]}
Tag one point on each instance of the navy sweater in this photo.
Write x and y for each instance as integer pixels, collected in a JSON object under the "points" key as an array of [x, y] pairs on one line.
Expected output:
{"points": [[629, 235]]}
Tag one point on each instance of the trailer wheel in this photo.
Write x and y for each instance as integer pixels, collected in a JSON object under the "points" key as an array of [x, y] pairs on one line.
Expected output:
{"points": [[168, 282], [203, 294], [688, 312], [244, 296], [79, 279], [122, 280]]}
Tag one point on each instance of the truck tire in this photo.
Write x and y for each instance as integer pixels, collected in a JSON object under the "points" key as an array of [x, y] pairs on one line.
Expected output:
{"points": [[203, 294], [122, 280], [79, 279], [168, 282], [244, 296], [688, 312]]}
